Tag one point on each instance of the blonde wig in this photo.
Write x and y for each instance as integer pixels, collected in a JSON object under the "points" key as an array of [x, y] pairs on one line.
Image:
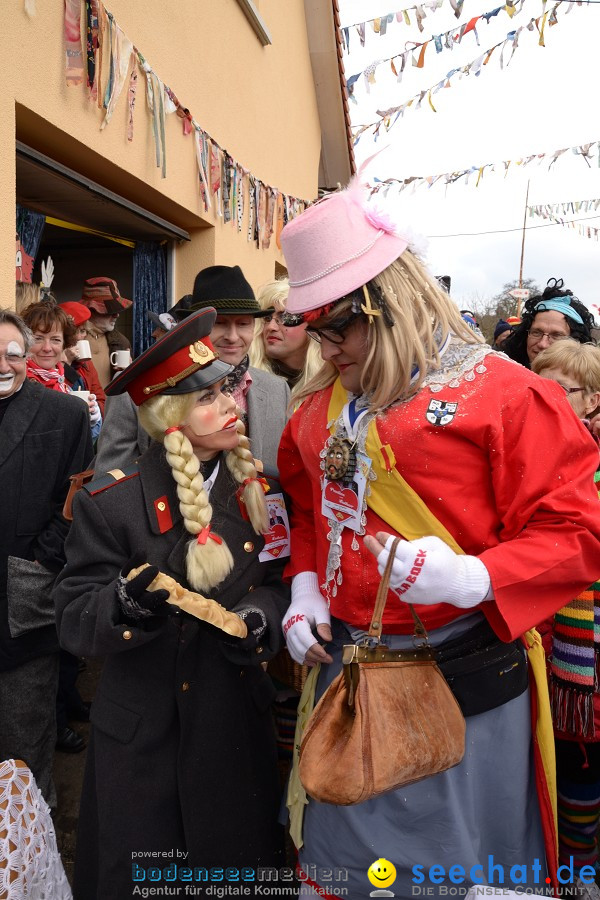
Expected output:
{"points": [[274, 294], [579, 361], [423, 316], [209, 563], [25, 295]]}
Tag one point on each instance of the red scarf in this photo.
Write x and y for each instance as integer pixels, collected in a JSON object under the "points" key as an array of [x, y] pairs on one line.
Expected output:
{"points": [[50, 378]]}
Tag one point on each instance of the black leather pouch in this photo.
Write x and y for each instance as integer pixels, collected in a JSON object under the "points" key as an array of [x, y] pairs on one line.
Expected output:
{"points": [[482, 671]]}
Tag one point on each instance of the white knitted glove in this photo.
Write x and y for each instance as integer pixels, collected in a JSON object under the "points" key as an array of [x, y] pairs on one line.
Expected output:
{"points": [[95, 414], [427, 571], [307, 610]]}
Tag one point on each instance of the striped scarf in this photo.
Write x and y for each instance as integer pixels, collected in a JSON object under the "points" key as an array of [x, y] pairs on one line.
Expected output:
{"points": [[50, 378], [573, 665]]}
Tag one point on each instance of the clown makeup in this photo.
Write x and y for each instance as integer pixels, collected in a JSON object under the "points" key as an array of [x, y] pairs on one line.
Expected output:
{"points": [[12, 360], [211, 425]]}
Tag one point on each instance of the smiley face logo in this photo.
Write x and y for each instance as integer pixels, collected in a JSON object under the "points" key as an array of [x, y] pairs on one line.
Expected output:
{"points": [[381, 874]]}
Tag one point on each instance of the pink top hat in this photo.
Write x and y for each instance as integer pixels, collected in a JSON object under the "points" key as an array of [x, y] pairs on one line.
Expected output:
{"points": [[335, 247]]}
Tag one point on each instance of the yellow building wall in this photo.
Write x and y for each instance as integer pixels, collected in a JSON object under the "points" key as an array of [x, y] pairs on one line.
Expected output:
{"points": [[258, 102]]}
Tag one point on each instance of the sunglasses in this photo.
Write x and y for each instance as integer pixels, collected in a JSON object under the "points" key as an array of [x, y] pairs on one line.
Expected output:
{"points": [[336, 332]]}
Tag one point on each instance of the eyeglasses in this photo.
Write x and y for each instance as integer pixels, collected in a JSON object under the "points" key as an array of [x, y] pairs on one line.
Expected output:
{"points": [[336, 332], [571, 390], [13, 358], [537, 334]]}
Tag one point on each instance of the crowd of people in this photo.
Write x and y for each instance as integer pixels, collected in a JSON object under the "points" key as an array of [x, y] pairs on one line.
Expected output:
{"points": [[251, 471]]}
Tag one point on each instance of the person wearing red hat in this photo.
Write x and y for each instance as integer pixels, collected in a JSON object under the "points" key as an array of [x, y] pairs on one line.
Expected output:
{"points": [[182, 758], [414, 428], [102, 297], [85, 368]]}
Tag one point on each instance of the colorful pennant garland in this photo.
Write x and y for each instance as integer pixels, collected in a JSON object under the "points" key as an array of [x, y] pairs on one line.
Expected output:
{"points": [[555, 212], [582, 230], [380, 24], [564, 209], [589, 152], [104, 60], [416, 53], [389, 117]]}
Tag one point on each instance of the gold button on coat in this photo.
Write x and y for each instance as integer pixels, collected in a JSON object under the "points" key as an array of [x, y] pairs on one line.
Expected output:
{"points": [[185, 686], [162, 506], [127, 635], [259, 649], [248, 546]]}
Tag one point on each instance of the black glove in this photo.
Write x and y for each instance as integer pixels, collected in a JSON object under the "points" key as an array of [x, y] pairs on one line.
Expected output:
{"points": [[136, 602], [256, 623]]}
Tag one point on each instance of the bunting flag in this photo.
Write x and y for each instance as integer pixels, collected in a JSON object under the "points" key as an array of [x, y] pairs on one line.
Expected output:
{"points": [[389, 117], [240, 200], [131, 95], [555, 212], [73, 51], [104, 58], [122, 53], [201, 145], [380, 24], [589, 152], [91, 45], [416, 53]]}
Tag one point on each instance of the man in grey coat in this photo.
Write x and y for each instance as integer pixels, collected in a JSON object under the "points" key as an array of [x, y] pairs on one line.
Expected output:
{"points": [[262, 397]]}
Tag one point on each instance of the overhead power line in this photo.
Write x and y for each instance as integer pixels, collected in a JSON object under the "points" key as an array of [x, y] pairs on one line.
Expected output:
{"points": [[507, 230]]}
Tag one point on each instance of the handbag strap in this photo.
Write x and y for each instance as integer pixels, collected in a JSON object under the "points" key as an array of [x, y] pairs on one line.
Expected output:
{"points": [[376, 625]]}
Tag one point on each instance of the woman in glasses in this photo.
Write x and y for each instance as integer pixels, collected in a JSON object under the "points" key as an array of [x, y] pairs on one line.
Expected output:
{"points": [[415, 428], [569, 640], [279, 346], [554, 316]]}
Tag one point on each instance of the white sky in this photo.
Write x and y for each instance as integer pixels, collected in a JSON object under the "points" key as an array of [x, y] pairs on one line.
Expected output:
{"points": [[546, 99]]}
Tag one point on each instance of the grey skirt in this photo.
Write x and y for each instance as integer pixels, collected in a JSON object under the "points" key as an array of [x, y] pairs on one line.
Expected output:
{"points": [[482, 815]]}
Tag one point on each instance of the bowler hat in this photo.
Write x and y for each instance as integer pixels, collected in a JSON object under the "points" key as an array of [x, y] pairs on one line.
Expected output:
{"points": [[182, 361], [335, 247], [103, 296], [225, 289]]}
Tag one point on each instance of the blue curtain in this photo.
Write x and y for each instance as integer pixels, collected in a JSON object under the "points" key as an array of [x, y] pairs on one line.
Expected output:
{"points": [[30, 226], [149, 290]]}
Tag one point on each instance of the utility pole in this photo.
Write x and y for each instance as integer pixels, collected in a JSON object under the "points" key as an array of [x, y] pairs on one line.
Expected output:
{"points": [[523, 247]]}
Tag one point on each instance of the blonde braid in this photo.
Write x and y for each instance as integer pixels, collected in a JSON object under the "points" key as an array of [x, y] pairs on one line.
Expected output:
{"points": [[240, 463], [209, 563]]}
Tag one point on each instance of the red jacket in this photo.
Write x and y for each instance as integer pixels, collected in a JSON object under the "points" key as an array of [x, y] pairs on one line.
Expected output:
{"points": [[510, 477]]}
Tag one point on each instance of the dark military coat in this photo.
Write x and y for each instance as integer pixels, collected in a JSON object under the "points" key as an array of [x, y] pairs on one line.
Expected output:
{"points": [[182, 756]]}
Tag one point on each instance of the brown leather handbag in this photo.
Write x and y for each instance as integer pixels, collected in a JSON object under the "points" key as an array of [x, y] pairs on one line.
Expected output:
{"points": [[388, 719]]}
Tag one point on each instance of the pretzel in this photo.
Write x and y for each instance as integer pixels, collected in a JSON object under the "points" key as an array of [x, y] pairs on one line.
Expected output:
{"points": [[195, 604]]}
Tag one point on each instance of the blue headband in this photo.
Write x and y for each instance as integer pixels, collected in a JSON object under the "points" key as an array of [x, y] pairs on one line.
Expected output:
{"points": [[561, 305]]}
